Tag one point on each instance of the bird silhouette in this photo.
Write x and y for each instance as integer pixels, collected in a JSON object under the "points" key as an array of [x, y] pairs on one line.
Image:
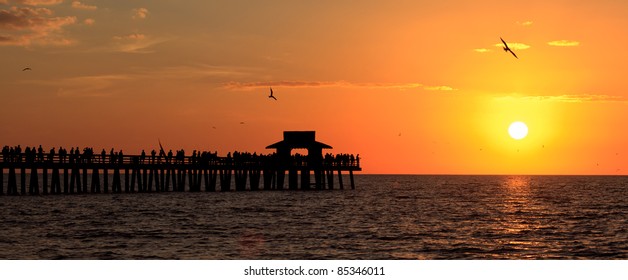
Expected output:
{"points": [[271, 94], [507, 49], [27, 69]]}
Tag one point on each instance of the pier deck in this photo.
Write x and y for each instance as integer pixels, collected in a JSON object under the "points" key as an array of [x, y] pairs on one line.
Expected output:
{"points": [[134, 173]]}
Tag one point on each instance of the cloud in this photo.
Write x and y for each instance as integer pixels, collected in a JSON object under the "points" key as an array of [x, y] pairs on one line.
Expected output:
{"points": [[441, 88], [109, 84], [133, 36], [33, 26], [197, 71], [94, 86], [325, 84], [525, 23], [482, 50], [289, 84], [89, 21], [32, 2], [86, 86], [24, 18], [564, 43], [136, 43], [81, 6], [514, 46], [565, 98], [140, 13]]}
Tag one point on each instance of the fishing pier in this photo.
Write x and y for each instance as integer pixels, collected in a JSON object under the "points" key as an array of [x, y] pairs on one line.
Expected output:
{"points": [[38, 173]]}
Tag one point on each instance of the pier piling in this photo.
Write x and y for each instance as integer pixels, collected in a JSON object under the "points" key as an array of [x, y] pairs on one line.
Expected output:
{"points": [[340, 179], [12, 184], [34, 186], [44, 173], [1, 180], [23, 181]]}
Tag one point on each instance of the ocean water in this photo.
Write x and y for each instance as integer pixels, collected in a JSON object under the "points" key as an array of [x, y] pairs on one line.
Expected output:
{"points": [[385, 217]]}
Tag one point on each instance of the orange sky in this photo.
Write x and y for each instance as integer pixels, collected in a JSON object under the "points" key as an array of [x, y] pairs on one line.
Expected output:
{"points": [[414, 87]]}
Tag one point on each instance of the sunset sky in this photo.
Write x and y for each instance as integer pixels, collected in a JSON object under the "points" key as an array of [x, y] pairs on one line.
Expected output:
{"points": [[414, 87]]}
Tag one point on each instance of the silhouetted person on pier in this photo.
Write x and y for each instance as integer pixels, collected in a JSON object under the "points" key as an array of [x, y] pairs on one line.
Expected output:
{"points": [[18, 153], [27, 154], [51, 155], [162, 154], [62, 154], [169, 158], [152, 156], [357, 160], [103, 155], [120, 157], [5, 154], [180, 156], [88, 154], [229, 158], [112, 156], [40, 154], [11, 154], [31, 155], [142, 156]]}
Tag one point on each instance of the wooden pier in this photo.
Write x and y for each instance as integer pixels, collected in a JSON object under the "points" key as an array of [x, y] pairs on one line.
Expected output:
{"points": [[53, 174]]}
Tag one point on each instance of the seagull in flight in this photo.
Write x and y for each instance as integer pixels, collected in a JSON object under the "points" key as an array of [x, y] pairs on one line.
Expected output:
{"points": [[27, 69], [507, 49], [271, 94]]}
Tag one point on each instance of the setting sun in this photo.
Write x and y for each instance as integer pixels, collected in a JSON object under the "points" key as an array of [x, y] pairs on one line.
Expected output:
{"points": [[518, 130]]}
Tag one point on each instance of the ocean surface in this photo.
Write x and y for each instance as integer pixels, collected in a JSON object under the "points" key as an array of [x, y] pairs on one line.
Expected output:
{"points": [[385, 217]]}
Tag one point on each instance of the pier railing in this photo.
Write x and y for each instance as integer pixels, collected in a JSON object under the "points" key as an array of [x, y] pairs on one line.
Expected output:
{"points": [[254, 161]]}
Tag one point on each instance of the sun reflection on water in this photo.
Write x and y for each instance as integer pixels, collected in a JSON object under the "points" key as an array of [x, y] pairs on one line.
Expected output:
{"points": [[517, 183], [520, 214]]}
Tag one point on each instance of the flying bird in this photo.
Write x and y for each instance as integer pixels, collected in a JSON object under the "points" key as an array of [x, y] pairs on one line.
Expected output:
{"points": [[27, 69], [507, 49], [271, 94]]}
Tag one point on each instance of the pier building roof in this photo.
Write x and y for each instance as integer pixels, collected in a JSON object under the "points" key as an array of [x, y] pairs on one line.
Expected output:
{"points": [[299, 140]]}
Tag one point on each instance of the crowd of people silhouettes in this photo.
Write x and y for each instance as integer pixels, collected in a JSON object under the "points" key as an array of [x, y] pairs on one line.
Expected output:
{"points": [[86, 155]]}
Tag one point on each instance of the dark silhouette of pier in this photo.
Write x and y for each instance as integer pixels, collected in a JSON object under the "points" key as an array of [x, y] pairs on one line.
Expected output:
{"points": [[37, 172]]}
